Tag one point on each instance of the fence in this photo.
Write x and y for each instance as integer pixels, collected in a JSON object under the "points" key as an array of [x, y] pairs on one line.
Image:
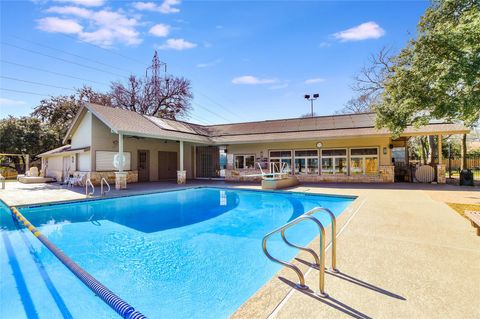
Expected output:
{"points": [[453, 166]]}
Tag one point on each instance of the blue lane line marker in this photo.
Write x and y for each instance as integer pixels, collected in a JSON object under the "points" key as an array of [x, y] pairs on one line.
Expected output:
{"points": [[46, 278], [19, 280]]}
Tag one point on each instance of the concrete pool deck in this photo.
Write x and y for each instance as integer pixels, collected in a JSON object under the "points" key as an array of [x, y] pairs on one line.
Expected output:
{"points": [[402, 253]]}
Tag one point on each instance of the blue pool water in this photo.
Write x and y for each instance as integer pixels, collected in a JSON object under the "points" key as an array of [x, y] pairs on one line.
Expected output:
{"points": [[193, 253]]}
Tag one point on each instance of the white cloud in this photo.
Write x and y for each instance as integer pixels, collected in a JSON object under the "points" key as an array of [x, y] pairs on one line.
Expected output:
{"points": [[54, 24], [76, 11], [252, 80], [160, 30], [103, 27], [209, 64], [87, 3], [314, 81], [325, 44], [364, 31], [10, 102], [166, 7], [177, 44]]}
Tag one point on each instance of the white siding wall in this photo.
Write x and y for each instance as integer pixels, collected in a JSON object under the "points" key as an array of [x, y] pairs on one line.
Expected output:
{"points": [[82, 136], [83, 162], [55, 167]]}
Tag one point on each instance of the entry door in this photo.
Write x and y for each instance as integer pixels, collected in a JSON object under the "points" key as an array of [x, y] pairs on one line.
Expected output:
{"points": [[143, 166], [208, 162], [167, 165], [66, 167]]}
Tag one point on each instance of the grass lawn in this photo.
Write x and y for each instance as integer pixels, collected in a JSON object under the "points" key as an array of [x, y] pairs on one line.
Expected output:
{"points": [[461, 208]]}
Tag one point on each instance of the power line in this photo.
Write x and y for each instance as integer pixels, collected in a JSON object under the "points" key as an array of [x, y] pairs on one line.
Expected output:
{"points": [[223, 107], [212, 112], [24, 92], [69, 53], [199, 119], [36, 83], [104, 71], [105, 49], [61, 59], [51, 72]]}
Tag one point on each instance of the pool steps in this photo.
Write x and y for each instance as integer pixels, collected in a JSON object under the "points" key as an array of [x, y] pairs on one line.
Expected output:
{"points": [[319, 259], [116, 303]]}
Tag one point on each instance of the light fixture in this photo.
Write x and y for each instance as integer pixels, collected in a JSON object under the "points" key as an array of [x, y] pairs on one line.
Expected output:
{"points": [[311, 99]]}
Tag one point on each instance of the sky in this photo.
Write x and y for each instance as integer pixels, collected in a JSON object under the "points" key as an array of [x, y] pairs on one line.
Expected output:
{"points": [[247, 60]]}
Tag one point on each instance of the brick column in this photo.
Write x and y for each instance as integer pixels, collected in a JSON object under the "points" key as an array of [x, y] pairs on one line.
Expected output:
{"points": [[120, 180], [181, 177], [387, 173], [441, 172]]}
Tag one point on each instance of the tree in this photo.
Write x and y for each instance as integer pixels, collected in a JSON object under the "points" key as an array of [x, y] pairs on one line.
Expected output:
{"points": [[25, 135], [360, 104], [57, 112], [162, 96], [437, 76], [369, 83]]}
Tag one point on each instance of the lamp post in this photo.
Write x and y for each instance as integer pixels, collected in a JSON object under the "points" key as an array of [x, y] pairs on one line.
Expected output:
{"points": [[311, 98]]}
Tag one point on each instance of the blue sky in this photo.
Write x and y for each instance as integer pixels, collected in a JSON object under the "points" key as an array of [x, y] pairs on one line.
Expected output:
{"points": [[247, 60]]}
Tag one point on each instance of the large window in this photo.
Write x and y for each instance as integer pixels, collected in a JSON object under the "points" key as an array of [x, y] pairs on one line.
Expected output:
{"points": [[279, 157], [363, 161], [306, 162], [334, 161], [244, 161]]}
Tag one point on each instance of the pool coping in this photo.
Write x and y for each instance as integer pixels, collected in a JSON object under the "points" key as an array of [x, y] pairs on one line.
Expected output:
{"points": [[270, 298], [97, 198]]}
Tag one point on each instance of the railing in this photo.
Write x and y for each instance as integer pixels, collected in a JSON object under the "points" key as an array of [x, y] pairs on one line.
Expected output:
{"points": [[333, 222], [102, 193], [88, 182], [319, 260]]}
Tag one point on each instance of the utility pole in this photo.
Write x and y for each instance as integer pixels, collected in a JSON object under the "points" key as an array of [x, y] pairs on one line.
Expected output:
{"points": [[311, 98], [156, 69]]}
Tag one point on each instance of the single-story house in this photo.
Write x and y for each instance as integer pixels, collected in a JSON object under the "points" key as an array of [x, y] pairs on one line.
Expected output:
{"points": [[341, 148]]}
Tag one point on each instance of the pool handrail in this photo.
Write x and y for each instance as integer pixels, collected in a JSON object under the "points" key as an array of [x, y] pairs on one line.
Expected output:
{"points": [[120, 306], [88, 182], [321, 259], [334, 233], [102, 193]]}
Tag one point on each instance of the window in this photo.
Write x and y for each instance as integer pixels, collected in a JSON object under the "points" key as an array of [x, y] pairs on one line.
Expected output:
{"points": [[334, 161], [279, 157], [104, 161], [364, 161], [306, 162], [244, 161]]}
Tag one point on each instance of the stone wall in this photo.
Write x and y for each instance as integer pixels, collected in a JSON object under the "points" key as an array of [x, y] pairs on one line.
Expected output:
{"points": [[441, 173], [386, 175], [96, 177]]}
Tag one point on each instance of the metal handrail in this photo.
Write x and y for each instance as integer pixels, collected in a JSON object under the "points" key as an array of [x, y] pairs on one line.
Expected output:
{"points": [[334, 233], [89, 182], [102, 193], [320, 260]]}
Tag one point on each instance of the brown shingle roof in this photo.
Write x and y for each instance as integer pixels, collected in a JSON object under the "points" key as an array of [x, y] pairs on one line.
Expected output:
{"points": [[332, 126]]}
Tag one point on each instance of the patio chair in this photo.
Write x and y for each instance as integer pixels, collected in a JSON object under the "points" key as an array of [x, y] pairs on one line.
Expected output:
{"points": [[78, 180]]}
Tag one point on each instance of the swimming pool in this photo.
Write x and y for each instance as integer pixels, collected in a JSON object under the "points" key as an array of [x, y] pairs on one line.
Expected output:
{"points": [[192, 253]]}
